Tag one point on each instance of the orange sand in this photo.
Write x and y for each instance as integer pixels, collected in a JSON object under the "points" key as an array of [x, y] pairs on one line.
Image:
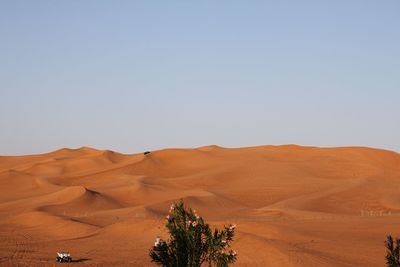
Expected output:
{"points": [[293, 206]]}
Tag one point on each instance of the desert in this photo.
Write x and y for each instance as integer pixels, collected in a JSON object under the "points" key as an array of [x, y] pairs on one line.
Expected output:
{"points": [[293, 205]]}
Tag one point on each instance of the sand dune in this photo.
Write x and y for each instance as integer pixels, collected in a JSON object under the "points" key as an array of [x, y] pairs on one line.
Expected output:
{"points": [[294, 205]]}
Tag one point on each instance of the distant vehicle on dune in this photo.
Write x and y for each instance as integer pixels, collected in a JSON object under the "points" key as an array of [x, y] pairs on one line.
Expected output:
{"points": [[63, 257]]}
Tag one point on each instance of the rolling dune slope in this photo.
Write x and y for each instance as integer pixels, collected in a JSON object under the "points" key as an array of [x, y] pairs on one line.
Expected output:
{"points": [[293, 205]]}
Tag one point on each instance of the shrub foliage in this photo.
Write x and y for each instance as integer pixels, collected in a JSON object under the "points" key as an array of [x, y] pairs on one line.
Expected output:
{"points": [[192, 242], [393, 252]]}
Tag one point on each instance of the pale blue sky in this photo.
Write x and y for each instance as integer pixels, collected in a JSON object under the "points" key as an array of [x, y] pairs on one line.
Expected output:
{"points": [[141, 75]]}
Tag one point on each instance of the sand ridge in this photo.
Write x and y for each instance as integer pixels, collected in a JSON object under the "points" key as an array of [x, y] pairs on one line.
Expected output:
{"points": [[294, 205]]}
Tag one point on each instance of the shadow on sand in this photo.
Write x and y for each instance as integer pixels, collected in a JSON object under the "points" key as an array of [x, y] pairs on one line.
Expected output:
{"points": [[80, 260]]}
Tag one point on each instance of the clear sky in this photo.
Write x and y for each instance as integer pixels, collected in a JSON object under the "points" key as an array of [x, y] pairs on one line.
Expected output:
{"points": [[141, 75]]}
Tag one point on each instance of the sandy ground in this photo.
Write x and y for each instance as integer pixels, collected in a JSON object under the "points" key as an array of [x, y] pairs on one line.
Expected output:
{"points": [[293, 206]]}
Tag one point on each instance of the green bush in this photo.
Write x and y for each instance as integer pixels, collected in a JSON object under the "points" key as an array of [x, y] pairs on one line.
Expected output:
{"points": [[192, 242], [393, 252]]}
